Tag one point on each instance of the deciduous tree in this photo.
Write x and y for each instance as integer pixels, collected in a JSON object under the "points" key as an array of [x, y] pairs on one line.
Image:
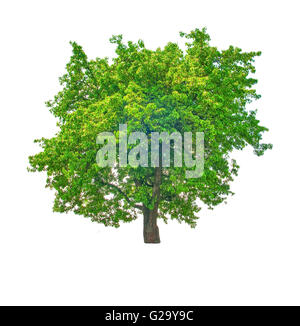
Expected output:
{"points": [[199, 88]]}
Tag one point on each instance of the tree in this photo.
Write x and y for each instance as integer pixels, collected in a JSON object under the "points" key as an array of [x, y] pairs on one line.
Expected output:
{"points": [[196, 89]]}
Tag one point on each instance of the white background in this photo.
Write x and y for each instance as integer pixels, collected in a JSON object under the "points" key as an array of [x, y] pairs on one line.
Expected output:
{"points": [[242, 253]]}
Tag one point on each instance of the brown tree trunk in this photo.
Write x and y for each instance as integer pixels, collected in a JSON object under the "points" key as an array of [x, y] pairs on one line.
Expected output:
{"points": [[151, 231]]}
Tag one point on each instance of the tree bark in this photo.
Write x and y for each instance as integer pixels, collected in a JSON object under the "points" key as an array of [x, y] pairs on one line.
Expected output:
{"points": [[151, 231]]}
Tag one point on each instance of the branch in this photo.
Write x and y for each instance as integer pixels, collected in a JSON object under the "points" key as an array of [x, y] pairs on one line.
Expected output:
{"points": [[139, 183], [148, 184], [122, 193]]}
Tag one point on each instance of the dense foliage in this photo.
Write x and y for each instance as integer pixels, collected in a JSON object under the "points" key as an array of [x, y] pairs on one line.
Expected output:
{"points": [[200, 88]]}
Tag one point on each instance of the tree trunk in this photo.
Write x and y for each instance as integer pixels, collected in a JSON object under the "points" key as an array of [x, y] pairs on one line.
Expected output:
{"points": [[151, 232]]}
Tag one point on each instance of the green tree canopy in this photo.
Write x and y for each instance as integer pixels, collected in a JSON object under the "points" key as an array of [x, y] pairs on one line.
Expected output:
{"points": [[196, 89]]}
